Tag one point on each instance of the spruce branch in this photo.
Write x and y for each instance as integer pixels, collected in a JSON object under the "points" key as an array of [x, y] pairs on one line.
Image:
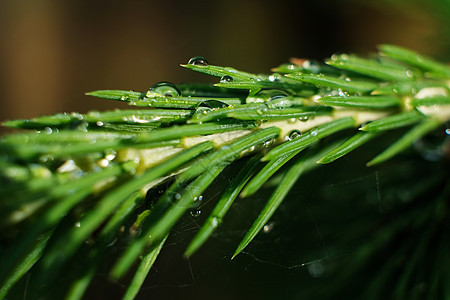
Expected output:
{"points": [[81, 182]]}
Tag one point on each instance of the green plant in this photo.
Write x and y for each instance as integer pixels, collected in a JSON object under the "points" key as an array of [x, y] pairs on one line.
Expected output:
{"points": [[83, 181]]}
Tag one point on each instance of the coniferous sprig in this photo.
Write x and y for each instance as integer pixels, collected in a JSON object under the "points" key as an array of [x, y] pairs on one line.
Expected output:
{"points": [[80, 182]]}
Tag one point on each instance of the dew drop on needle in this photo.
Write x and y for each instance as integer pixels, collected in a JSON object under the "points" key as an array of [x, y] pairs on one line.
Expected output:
{"points": [[268, 227], [198, 61], [294, 134], [195, 213], [164, 88], [226, 78]]}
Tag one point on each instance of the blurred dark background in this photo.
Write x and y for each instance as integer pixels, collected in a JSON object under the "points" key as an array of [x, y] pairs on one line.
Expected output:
{"points": [[52, 52]]}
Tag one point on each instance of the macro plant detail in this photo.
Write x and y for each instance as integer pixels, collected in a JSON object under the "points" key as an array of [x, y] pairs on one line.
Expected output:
{"points": [[78, 183]]}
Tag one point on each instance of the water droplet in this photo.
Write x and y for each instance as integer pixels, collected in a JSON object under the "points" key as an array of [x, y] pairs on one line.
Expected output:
{"points": [[347, 79], [275, 77], [103, 163], [312, 66], [67, 166], [432, 147], [447, 131], [78, 224], [198, 199], [215, 222], [230, 70], [110, 155], [213, 104], [124, 98], [138, 120], [178, 196], [226, 78], [409, 73], [292, 121], [268, 143], [164, 88], [268, 227], [99, 123], [248, 150], [303, 119], [314, 132], [342, 93], [334, 57], [291, 67], [278, 96], [113, 242], [315, 98], [198, 61], [47, 130], [269, 95], [195, 213], [46, 158], [77, 116], [294, 134], [315, 269]]}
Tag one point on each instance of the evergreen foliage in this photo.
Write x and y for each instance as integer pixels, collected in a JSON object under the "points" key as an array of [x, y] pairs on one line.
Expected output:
{"points": [[77, 183]]}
